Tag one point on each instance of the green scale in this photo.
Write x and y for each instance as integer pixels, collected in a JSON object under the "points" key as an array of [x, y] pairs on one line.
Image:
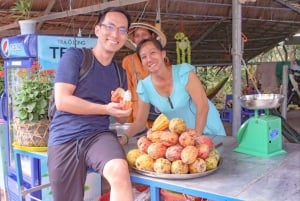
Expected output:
{"points": [[261, 134]]}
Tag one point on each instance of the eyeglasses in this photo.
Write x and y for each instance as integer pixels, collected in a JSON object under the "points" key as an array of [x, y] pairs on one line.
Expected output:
{"points": [[111, 28]]}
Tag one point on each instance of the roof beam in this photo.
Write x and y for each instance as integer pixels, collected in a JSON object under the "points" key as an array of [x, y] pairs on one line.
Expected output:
{"points": [[46, 12], [288, 5], [78, 11]]}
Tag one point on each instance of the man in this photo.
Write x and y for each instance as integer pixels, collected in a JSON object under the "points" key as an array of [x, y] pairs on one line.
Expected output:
{"points": [[131, 63], [79, 132]]}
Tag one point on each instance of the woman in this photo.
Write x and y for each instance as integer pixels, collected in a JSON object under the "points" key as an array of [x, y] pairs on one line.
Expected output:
{"points": [[175, 90]]}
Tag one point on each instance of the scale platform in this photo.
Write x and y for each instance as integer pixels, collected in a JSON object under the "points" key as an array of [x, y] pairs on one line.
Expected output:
{"points": [[261, 134]]}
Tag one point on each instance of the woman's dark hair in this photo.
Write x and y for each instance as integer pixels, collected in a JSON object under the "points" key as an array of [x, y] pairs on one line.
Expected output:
{"points": [[103, 13], [154, 41]]}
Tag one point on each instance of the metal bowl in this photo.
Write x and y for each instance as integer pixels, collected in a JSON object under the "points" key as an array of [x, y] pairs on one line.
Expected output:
{"points": [[261, 101]]}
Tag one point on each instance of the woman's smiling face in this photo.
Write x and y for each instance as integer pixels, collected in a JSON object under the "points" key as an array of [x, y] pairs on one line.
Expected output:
{"points": [[152, 58]]}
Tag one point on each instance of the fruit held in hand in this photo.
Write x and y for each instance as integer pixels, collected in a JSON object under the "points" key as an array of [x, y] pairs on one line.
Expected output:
{"points": [[123, 97], [117, 95]]}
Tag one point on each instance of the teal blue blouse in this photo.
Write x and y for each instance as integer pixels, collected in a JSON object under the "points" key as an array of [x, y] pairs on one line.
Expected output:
{"points": [[179, 103]]}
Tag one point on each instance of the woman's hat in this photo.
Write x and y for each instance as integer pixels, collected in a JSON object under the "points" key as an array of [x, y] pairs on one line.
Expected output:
{"points": [[159, 34]]}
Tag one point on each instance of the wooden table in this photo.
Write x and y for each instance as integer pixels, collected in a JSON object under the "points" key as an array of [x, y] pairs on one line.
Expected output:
{"points": [[240, 176]]}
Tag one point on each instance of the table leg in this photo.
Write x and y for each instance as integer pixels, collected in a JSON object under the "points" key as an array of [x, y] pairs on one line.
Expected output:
{"points": [[19, 174]]}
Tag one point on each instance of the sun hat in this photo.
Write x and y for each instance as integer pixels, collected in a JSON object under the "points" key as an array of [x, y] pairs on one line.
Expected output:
{"points": [[159, 34]]}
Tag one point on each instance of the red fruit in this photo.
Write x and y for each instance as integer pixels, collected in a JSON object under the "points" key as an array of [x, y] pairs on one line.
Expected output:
{"points": [[169, 138], [185, 139], [204, 139], [203, 150], [143, 143], [156, 150], [173, 153]]}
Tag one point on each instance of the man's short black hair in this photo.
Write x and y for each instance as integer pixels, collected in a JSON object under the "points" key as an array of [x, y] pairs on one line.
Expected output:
{"points": [[103, 13]]}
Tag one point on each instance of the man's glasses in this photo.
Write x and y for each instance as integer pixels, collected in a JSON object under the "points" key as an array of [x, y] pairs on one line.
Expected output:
{"points": [[111, 28]]}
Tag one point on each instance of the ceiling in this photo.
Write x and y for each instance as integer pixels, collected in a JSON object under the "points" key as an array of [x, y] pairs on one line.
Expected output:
{"points": [[207, 23]]}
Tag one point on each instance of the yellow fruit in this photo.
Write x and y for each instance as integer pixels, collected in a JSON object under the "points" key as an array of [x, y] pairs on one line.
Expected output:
{"points": [[198, 166], [162, 165], [177, 125], [160, 123], [179, 167], [132, 155], [214, 153], [211, 163], [144, 162]]}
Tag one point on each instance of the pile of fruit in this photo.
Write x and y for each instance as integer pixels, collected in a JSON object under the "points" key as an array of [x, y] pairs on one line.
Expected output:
{"points": [[171, 148]]}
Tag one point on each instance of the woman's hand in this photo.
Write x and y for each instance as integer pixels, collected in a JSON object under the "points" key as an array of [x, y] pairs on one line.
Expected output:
{"points": [[123, 139]]}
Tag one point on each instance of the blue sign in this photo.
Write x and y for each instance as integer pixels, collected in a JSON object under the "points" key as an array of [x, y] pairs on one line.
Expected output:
{"points": [[51, 48]]}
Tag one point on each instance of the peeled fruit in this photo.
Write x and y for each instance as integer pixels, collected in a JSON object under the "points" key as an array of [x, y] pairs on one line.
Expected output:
{"points": [[162, 165], [117, 95], [132, 155], [169, 138], [143, 143], [185, 139], [211, 163], [179, 167], [189, 154], [174, 152], [204, 139], [156, 150], [154, 136], [198, 166], [123, 97], [160, 123], [203, 151], [144, 162], [177, 125]]}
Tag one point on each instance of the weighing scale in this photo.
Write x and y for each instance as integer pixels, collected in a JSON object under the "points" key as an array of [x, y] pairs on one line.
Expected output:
{"points": [[261, 135]]}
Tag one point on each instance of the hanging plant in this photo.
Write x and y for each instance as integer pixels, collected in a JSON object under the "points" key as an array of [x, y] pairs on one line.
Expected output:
{"points": [[22, 8], [183, 48]]}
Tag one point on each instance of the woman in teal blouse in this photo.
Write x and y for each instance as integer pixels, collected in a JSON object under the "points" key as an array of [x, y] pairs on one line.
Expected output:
{"points": [[175, 90]]}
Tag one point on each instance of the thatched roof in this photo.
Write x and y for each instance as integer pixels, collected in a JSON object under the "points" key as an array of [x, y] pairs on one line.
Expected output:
{"points": [[208, 24]]}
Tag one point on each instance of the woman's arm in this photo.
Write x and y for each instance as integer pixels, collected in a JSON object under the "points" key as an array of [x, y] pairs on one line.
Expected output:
{"points": [[198, 95], [141, 119]]}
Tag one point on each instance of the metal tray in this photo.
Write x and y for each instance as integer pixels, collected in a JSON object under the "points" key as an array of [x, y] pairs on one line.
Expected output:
{"points": [[177, 176], [261, 101]]}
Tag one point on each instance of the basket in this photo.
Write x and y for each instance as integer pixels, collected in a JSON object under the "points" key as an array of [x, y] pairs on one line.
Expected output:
{"points": [[33, 134], [174, 196]]}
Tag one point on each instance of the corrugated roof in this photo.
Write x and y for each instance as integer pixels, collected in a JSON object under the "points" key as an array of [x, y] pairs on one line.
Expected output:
{"points": [[207, 23]]}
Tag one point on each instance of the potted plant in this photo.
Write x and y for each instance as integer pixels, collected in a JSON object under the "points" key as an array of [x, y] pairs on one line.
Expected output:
{"points": [[31, 106], [22, 9]]}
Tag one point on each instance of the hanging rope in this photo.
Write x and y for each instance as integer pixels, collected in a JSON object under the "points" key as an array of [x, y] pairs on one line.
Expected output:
{"points": [[158, 18]]}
